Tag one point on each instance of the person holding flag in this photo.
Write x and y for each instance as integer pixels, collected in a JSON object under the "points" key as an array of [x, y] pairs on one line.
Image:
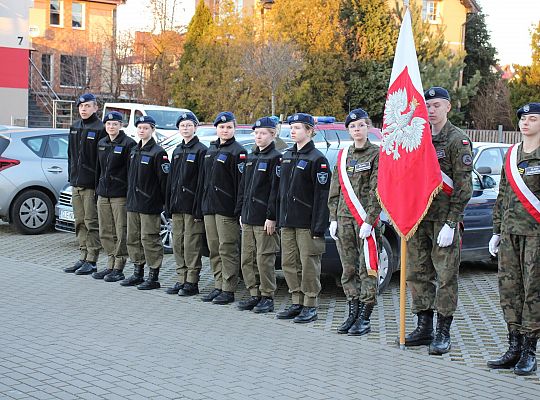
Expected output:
{"points": [[435, 248], [412, 165], [354, 215], [516, 237]]}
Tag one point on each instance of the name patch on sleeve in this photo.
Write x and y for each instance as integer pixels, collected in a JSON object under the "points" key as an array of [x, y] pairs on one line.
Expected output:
{"points": [[365, 166], [532, 170]]}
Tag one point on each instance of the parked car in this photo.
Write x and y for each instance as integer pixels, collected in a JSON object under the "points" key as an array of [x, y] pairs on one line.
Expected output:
{"points": [[33, 171], [165, 117]]}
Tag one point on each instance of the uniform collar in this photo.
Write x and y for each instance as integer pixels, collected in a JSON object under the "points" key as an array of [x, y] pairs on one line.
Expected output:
{"points": [[227, 142], [443, 134], [148, 145], [90, 119], [366, 146], [266, 150], [118, 139], [190, 144], [306, 149]]}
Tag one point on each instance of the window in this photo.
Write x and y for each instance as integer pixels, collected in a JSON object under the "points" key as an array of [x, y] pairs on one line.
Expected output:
{"points": [[430, 10], [55, 14], [138, 114], [489, 158], [46, 69], [72, 71], [77, 15], [57, 147], [36, 144]]}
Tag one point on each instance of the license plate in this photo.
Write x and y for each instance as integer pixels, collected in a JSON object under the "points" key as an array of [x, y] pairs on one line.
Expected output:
{"points": [[67, 215]]}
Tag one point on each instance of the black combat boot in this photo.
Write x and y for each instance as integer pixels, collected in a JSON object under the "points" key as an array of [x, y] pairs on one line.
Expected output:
{"points": [[189, 289], [136, 278], [441, 344], [362, 325], [175, 289], [211, 296], [527, 362], [511, 357], [152, 281], [354, 309], [423, 334], [115, 276], [74, 267], [224, 298], [87, 268], [308, 314], [290, 312], [248, 304], [101, 274], [265, 305]]}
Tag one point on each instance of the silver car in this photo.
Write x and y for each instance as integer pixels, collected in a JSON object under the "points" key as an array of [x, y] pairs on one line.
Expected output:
{"points": [[33, 171]]}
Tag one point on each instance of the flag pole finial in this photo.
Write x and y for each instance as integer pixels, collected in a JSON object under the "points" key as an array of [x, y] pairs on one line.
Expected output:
{"points": [[406, 3]]}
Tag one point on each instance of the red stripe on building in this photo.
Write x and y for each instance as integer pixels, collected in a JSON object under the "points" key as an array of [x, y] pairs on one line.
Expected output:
{"points": [[14, 68]]}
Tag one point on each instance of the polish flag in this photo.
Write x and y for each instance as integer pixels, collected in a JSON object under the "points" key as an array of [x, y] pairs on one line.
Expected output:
{"points": [[409, 173]]}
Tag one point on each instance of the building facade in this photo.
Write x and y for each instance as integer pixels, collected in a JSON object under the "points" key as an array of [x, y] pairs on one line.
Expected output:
{"points": [[14, 53]]}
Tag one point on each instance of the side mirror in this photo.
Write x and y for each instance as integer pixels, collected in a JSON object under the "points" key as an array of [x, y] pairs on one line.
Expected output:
{"points": [[484, 170], [488, 182]]}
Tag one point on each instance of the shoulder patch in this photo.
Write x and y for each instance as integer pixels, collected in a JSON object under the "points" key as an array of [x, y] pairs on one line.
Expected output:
{"points": [[166, 167], [322, 177], [278, 171], [467, 159]]}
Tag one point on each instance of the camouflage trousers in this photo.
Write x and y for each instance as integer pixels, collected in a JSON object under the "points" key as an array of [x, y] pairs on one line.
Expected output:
{"points": [[432, 271], [519, 282], [357, 283]]}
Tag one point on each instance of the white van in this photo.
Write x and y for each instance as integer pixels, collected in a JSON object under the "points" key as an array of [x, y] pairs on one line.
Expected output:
{"points": [[165, 117]]}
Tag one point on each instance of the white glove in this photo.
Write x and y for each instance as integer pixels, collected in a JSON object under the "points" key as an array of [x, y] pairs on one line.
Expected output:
{"points": [[365, 230], [333, 230], [446, 236], [494, 245]]}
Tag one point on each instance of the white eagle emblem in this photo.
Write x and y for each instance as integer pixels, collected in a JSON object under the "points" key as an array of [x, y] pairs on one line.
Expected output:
{"points": [[526, 108], [402, 129]]}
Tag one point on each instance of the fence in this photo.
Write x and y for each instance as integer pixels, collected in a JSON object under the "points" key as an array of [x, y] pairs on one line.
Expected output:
{"points": [[478, 135]]}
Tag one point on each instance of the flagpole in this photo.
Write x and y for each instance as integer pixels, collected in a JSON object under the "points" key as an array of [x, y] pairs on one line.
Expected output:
{"points": [[402, 293]]}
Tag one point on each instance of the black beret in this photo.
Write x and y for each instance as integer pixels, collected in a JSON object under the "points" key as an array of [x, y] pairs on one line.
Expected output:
{"points": [[301, 118], [113, 116], [146, 119], [531, 108], [355, 115], [436, 92], [223, 117], [189, 116], [264, 122], [86, 98]]}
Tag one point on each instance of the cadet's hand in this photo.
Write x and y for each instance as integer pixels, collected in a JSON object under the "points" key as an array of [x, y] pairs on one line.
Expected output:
{"points": [[494, 245], [365, 230], [333, 230], [240, 222], [269, 227], [446, 236]]}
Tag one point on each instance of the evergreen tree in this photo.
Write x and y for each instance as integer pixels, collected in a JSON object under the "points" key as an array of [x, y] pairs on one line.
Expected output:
{"points": [[481, 55]]}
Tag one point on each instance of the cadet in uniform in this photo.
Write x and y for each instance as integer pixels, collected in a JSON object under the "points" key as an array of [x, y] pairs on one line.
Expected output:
{"points": [[183, 203], [112, 174], [434, 250], [359, 283], [516, 228], [257, 198], [84, 136], [223, 167], [303, 218], [147, 185]]}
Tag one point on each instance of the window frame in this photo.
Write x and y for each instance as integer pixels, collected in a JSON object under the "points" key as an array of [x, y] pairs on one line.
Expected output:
{"points": [[83, 16], [60, 13], [75, 85], [48, 146], [50, 69], [430, 16]]}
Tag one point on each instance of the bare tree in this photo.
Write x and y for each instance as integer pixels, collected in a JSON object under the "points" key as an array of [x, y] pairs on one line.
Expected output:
{"points": [[491, 106], [274, 63]]}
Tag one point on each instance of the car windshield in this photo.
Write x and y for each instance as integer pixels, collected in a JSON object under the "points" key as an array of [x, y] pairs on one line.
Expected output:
{"points": [[165, 119]]}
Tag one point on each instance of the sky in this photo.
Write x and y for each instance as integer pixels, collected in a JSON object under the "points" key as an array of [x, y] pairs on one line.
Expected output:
{"points": [[508, 22]]}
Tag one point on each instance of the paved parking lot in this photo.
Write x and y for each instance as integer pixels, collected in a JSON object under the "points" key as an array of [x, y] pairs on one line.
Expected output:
{"points": [[64, 336]]}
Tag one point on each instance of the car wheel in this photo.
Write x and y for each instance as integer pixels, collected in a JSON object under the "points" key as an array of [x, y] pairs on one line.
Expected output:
{"points": [[386, 267], [32, 212], [166, 234]]}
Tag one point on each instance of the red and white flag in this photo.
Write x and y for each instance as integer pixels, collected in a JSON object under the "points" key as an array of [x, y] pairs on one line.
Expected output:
{"points": [[409, 172]]}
